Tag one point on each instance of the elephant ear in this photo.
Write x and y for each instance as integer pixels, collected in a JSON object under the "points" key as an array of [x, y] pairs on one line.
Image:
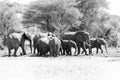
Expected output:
{"points": [[24, 35]]}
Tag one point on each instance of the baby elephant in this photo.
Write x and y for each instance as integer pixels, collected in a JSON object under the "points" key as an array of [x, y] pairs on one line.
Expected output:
{"points": [[67, 45], [97, 43], [42, 46]]}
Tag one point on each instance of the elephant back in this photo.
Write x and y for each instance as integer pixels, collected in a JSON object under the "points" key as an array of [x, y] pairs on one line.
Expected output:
{"points": [[40, 35], [93, 43], [68, 36], [82, 36], [101, 41], [65, 43], [37, 36]]}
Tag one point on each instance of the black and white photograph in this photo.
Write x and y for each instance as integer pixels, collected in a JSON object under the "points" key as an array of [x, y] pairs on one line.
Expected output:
{"points": [[59, 40]]}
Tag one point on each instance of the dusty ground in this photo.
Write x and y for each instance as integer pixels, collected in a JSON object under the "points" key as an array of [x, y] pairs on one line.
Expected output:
{"points": [[96, 67]]}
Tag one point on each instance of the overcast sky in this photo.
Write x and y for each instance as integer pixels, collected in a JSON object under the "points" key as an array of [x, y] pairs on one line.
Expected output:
{"points": [[114, 5]]}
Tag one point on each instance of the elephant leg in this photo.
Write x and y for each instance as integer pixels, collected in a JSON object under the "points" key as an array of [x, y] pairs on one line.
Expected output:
{"points": [[41, 52], [85, 51], [78, 50], [67, 51], [75, 51], [57, 52], [101, 50], [34, 50], [84, 48], [106, 49], [82, 52], [38, 52], [63, 52], [51, 52], [60, 51], [9, 51], [23, 50], [96, 50], [91, 50], [15, 52], [70, 52], [54, 54]]}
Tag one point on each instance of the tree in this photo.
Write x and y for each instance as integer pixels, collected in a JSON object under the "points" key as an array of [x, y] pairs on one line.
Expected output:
{"points": [[8, 19], [59, 14], [89, 9]]}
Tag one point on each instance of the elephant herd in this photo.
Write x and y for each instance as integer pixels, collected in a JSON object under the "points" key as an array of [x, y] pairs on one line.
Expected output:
{"points": [[48, 44]]}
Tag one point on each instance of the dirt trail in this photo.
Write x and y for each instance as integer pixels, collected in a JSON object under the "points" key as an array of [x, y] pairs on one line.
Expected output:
{"points": [[96, 67], [60, 68]]}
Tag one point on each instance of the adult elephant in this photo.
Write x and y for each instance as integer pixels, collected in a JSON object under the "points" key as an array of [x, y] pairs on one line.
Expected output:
{"points": [[38, 36], [97, 43], [14, 40], [55, 46], [80, 37], [42, 46], [67, 45]]}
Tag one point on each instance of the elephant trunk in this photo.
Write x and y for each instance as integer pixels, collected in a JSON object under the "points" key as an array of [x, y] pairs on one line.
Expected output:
{"points": [[76, 49], [106, 49], [31, 45]]}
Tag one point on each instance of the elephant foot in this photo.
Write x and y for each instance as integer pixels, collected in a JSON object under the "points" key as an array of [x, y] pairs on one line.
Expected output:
{"points": [[15, 55], [86, 54], [9, 55], [20, 54], [69, 54], [24, 53], [54, 55], [91, 54], [63, 54], [37, 55], [82, 52], [77, 54], [102, 52], [33, 52]]}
